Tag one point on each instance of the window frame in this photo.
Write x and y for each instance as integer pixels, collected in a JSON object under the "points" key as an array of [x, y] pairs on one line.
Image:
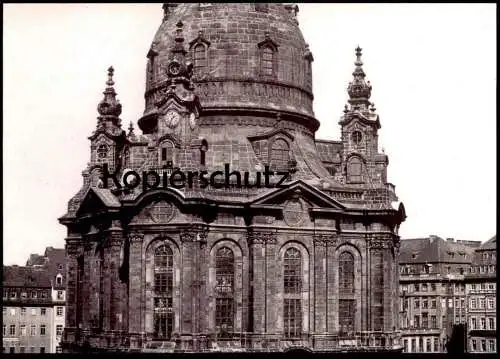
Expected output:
{"points": [[204, 48], [163, 292], [355, 169], [293, 285], [279, 156], [225, 276]]}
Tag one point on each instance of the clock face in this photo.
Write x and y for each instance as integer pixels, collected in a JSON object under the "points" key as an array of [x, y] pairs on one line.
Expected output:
{"points": [[172, 118], [174, 68]]}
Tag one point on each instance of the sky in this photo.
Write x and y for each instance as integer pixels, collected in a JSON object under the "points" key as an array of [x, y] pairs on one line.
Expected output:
{"points": [[432, 68]]}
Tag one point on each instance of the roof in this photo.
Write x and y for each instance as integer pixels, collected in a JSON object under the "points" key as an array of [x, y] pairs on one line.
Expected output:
{"points": [[106, 197], [489, 244], [17, 276], [35, 260], [56, 264], [328, 150], [434, 249]]}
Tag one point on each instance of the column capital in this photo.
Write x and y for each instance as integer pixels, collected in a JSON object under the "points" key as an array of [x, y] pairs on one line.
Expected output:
{"points": [[261, 237], [74, 249], [135, 237], [324, 239]]}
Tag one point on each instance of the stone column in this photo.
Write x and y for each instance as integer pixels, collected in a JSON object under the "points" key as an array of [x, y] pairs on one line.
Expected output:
{"points": [[202, 301], [378, 282], [187, 253], [331, 290], [88, 298], [135, 304], [74, 249], [271, 285], [320, 284], [258, 283], [193, 243], [114, 248]]}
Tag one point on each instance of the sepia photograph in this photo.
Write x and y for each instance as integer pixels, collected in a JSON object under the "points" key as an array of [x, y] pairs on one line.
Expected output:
{"points": [[249, 177]]}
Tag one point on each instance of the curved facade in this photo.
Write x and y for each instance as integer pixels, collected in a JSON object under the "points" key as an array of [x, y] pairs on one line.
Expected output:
{"points": [[309, 263]]}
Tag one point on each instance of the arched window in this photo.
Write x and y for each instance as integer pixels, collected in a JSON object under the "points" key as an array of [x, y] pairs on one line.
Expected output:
{"points": [[355, 170], [167, 151], [347, 309], [292, 275], [163, 292], [267, 61], [280, 154], [292, 305], [346, 273], [200, 57], [224, 288]]}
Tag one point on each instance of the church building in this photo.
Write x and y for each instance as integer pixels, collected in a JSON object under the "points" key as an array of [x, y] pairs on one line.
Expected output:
{"points": [[233, 261]]}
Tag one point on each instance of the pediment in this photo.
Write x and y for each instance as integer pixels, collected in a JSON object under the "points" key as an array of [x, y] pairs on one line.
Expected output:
{"points": [[269, 134], [199, 40], [179, 99], [97, 200], [359, 117], [268, 42], [298, 190], [103, 136]]}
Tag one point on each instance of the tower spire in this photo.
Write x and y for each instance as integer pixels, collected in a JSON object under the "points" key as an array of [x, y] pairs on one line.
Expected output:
{"points": [[359, 90], [109, 108]]}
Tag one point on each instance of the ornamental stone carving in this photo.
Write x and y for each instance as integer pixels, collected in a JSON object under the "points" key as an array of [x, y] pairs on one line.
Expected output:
{"points": [[187, 236], [378, 243], [324, 239], [262, 237], [115, 242], [135, 237], [294, 213], [74, 250]]}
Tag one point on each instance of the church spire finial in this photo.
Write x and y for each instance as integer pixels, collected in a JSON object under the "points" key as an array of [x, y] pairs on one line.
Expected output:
{"points": [[110, 81], [109, 106], [358, 61], [359, 90]]}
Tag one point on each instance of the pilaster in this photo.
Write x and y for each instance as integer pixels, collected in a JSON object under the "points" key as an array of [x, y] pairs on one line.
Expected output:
{"points": [[135, 304]]}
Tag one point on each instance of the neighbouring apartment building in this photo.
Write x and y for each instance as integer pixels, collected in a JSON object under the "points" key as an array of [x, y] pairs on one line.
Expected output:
{"points": [[480, 286], [34, 304], [445, 283]]}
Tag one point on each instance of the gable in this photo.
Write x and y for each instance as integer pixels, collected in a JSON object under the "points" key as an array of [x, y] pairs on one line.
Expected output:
{"points": [[270, 134], [298, 190], [96, 200]]}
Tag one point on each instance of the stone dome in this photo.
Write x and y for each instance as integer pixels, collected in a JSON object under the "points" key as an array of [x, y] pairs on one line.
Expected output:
{"points": [[246, 57]]}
